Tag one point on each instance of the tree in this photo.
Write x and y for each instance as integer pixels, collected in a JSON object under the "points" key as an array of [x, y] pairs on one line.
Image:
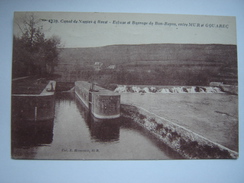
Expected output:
{"points": [[33, 53]]}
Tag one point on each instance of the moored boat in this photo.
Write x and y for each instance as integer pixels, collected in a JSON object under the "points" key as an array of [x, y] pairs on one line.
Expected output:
{"points": [[102, 103]]}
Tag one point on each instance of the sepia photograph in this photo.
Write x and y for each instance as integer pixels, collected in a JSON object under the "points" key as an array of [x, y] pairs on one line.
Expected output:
{"points": [[124, 86]]}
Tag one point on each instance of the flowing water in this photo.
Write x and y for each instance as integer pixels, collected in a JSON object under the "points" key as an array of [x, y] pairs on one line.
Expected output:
{"points": [[167, 89]]}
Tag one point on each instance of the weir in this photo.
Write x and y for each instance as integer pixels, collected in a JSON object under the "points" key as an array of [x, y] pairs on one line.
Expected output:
{"points": [[169, 89]]}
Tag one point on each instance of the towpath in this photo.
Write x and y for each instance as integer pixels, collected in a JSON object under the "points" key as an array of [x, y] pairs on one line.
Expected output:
{"points": [[212, 116]]}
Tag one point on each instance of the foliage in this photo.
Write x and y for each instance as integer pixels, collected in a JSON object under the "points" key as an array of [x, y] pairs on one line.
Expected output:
{"points": [[33, 53]]}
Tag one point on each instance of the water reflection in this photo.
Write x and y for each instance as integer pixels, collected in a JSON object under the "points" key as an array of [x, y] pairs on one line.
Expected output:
{"points": [[104, 131], [27, 135], [31, 134], [101, 130], [74, 134], [150, 141]]}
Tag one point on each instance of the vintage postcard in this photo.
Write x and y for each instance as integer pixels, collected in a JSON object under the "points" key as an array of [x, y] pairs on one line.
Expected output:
{"points": [[119, 86]]}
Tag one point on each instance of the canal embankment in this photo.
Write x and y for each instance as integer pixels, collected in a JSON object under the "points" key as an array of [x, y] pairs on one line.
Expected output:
{"points": [[197, 126]]}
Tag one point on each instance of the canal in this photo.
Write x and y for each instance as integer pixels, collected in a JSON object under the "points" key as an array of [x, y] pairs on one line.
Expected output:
{"points": [[74, 134]]}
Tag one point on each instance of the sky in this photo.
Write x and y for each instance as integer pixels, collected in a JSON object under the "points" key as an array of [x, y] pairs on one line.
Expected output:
{"points": [[101, 29]]}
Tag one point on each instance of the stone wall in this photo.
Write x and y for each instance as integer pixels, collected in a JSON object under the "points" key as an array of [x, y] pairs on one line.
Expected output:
{"points": [[187, 143]]}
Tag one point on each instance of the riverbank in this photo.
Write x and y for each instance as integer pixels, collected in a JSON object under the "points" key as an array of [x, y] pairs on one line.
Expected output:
{"points": [[197, 126]]}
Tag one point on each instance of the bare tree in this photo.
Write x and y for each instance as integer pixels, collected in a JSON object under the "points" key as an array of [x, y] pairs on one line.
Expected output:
{"points": [[33, 53]]}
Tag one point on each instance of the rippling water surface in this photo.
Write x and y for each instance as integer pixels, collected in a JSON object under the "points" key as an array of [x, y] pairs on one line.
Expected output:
{"points": [[74, 134]]}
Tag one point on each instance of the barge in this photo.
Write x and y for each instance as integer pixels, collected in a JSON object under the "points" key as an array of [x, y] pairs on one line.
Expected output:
{"points": [[35, 107], [102, 103]]}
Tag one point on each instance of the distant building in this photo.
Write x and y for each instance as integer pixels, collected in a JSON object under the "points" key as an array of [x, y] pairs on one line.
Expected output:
{"points": [[112, 67], [216, 84], [98, 66]]}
